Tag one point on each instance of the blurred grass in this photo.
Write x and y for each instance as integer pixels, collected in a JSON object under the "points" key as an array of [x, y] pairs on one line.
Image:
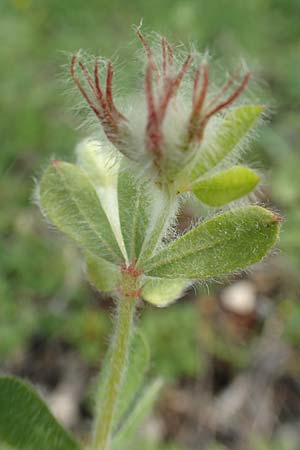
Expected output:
{"points": [[41, 287]]}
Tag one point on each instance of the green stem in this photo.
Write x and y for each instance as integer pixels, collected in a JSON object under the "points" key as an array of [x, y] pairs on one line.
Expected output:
{"points": [[115, 373]]}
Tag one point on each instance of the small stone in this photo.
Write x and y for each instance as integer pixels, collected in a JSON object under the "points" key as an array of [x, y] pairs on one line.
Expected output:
{"points": [[239, 298]]}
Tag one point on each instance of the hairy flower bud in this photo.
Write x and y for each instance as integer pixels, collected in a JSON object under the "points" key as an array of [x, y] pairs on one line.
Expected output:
{"points": [[164, 131]]}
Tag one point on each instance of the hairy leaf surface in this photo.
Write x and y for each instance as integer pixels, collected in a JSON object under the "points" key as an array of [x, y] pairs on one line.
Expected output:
{"points": [[102, 274], [163, 212], [134, 211], [26, 422], [237, 123], [70, 201], [227, 242], [101, 164], [99, 161], [225, 186], [163, 291]]}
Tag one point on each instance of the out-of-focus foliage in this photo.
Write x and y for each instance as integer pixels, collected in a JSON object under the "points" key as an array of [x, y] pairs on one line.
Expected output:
{"points": [[290, 313], [145, 445], [285, 186], [172, 336], [262, 445], [278, 444]]}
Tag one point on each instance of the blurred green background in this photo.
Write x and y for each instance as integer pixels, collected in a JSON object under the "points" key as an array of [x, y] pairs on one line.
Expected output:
{"points": [[44, 301]]}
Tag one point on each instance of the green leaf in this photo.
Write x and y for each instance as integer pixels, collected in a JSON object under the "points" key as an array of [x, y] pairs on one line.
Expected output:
{"points": [[102, 274], [163, 291], [162, 215], [70, 201], [134, 211], [137, 415], [225, 186], [236, 124], [229, 241], [99, 162], [26, 422]]}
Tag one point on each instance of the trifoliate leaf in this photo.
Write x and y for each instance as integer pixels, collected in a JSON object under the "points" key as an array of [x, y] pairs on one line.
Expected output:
{"points": [[26, 422], [225, 186], [237, 123], [230, 241], [134, 211], [70, 201], [163, 291], [102, 274]]}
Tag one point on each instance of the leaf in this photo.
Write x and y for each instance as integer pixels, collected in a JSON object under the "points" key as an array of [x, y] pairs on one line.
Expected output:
{"points": [[70, 201], [26, 422], [134, 211], [162, 215], [236, 124], [101, 164], [163, 291], [99, 161], [225, 186], [102, 274], [138, 414], [229, 241]]}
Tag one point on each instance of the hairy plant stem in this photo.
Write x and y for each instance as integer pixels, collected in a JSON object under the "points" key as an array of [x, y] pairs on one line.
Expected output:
{"points": [[115, 372]]}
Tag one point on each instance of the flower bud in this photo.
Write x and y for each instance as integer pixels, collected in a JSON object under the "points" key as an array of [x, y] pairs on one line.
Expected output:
{"points": [[164, 128]]}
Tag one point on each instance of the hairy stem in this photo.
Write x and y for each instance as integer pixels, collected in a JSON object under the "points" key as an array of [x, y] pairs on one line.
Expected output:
{"points": [[115, 373]]}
